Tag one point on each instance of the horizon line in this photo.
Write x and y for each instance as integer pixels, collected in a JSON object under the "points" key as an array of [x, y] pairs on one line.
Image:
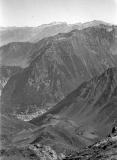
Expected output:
{"points": [[57, 22]]}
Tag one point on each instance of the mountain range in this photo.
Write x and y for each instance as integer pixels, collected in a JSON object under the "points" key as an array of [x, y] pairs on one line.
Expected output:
{"points": [[71, 74], [34, 34], [56, 66]]}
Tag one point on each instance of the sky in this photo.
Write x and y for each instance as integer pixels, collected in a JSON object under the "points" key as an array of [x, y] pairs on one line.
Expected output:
{"points": [[37, 12]]}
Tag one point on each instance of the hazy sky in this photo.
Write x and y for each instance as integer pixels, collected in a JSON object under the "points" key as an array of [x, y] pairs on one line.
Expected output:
{"points": [[37, 12]]}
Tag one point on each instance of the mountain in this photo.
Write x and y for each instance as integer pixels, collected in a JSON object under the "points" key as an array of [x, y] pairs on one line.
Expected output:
{"points": [[69, 83], [17, 52], [5, 73], [31, 34], [34, 34], [94, 23], [84, 116], [57, 65], [94, 102]]}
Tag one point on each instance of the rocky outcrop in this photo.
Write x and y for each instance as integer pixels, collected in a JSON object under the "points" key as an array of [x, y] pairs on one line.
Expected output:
{"points": [[105, 149]]}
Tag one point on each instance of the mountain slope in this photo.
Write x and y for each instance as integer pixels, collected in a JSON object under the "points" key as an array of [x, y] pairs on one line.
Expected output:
{"points": [[58, 65], [9, 127], [105, 149], [5, 73], [91, 107], [15, 54], [83, 117]]}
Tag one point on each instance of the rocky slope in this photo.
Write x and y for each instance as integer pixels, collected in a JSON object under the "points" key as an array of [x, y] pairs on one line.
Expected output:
{"points": [[85, 115], [5, 73], [82, 118], [105, 149], [57, 65], [9, 127], [15, 54]]}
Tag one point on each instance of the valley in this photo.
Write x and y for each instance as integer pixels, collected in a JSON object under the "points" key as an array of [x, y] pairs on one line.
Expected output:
{"points": [[59, 92]]}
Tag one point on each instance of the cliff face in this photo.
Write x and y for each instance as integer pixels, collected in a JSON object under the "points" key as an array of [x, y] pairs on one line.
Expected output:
{"points": [[57, 65]]}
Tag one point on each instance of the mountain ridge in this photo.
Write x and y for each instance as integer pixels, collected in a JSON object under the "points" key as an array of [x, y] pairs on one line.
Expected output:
{"points": [[59, 64], [24, 34]]}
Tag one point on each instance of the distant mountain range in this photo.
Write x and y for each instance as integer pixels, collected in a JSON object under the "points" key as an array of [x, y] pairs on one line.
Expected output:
{"points": [[34, 34], [17, 53]]}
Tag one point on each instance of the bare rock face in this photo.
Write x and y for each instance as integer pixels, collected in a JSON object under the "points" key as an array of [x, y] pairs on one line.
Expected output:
{"points": [[58, 65]]}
